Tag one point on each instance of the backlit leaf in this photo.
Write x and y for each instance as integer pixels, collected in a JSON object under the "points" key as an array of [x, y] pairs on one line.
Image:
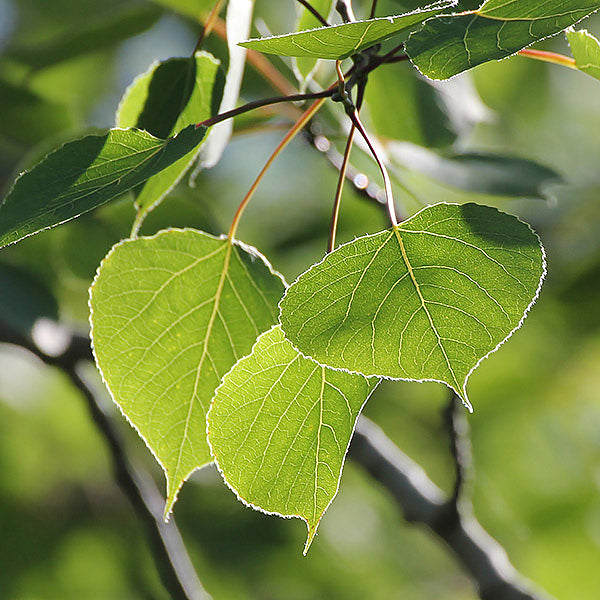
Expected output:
{"points": [[168, 97], [448, 45], [426, 301], [586, 51], [170, 316], [85, 173], [341, 41], [279, 429]]}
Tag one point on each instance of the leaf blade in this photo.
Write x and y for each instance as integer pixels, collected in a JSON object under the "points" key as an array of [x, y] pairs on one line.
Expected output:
{"points": [[586, 51], [84, 174], [448, 45], [275, 395], [341, 41], [156, 350], [425, 302], [168, 97]]}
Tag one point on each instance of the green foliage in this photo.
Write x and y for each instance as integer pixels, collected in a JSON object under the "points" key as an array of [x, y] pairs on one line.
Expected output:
{"points": [[85, 174], [185, 324], [170, 315], [342, 41], [448, 45], [167, 98], [586, 51], [279, 428], [483, 173], [426, 301]]}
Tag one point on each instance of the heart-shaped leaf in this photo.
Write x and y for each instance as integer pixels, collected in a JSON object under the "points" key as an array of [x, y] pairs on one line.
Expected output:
{"points": [[85, 174], [170, 316], [279, 429], [426, 301], [448, 45], [342, 41]]}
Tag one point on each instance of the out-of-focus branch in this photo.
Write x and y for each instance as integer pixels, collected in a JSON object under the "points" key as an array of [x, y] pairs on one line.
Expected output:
{"points": [[456, 422], [421, 501], [170, 555]]}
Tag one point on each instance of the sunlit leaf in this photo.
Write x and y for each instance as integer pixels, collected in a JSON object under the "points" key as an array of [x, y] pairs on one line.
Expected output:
{"points": [[170, 315], [448, 45], [168, 97], [586, 51], [426, 301], [279, 429], [341, 41]]}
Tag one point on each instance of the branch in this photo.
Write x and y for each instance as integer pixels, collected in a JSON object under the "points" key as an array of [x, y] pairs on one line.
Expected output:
{"points": [[460, 444], [166, 544], [265, 102], [421, 501]]}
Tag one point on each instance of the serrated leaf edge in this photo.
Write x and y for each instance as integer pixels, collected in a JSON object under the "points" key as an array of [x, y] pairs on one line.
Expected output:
{"points": [[476, 12], [440, 3], [250, 250], [312, 530], [462, 394]]}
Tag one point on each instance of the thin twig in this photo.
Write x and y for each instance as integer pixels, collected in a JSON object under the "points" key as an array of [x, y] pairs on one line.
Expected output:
{"points": [[166, 544], [314, 12], [265, 102], [421, 501]]}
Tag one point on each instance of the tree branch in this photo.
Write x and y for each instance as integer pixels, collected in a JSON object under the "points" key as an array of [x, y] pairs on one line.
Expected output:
{"points": [[421, 501], [166, 544]]}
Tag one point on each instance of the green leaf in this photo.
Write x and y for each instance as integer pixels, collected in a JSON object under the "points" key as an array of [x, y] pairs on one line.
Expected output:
{"points": [[168, 97], [425, 302], [448, 45], [586, 51], [170, 315], [482, 173], [342, 41], [305, 66], [96, 35], [279, 429], [86, 173]]}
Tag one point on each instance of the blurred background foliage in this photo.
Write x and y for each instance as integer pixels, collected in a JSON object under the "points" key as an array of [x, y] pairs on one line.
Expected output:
{"points": [[66, 530]]}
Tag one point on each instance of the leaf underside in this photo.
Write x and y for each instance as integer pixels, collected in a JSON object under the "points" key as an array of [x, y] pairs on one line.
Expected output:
{"points": [[342, 41], [279, 429], [170, 315], [448, 45], [586, 51], [425, 302], [86, 173]]}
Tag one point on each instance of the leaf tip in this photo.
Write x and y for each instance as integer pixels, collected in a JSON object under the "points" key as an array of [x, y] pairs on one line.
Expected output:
{"points": [[312, 532]]}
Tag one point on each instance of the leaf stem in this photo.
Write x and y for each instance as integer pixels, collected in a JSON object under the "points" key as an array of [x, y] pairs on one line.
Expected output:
{"points": [[265, 102], [384, 172], [290, 135], [551, 57], [314, 12], [208, 24], [340, 187]]}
